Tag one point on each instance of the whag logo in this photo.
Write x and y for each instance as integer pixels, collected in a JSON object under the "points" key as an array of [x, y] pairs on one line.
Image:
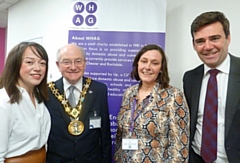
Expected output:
{"points": [[84, 14]]}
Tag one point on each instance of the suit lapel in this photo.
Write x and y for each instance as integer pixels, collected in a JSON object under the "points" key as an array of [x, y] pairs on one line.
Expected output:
{"points": [[196, 89], [59, 86], [86, 102], [233, 93]]}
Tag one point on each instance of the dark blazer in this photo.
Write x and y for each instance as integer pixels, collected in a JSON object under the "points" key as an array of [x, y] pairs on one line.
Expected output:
{"points": [[192, 82], [93, 145]]}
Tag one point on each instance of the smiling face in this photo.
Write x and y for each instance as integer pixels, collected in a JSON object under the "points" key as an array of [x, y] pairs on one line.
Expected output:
{"points": [[149, 66], [33, 69], [71, 63], [211, 44]]}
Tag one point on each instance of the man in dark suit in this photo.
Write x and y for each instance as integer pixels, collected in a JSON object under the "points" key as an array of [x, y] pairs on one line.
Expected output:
{"points": [[80, 132], [211, 38]]}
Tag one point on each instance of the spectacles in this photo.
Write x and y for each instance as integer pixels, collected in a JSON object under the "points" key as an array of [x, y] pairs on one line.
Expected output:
{"points": [[77, 62]]}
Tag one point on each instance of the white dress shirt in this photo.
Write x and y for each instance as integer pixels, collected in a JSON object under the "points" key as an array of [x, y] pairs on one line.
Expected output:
{"points": [[76, 91], [23, 127], [222, 82]]}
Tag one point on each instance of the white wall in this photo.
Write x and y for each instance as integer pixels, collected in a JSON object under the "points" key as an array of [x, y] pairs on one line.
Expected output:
{"points": [[47, 21]]}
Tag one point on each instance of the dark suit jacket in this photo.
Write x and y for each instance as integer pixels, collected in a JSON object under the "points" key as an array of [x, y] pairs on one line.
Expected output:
{"points": [[93, 145], [192, 82]]}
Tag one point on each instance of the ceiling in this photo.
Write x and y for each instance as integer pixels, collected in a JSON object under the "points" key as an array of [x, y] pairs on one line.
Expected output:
{"points": [[4, 6]]}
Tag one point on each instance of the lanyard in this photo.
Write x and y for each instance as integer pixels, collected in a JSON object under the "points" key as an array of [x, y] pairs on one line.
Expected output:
{"points": [[146, 102]]}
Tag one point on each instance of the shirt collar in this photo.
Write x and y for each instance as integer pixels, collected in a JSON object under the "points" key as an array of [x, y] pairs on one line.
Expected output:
{"points": [[78, 85], [21, 89], [224, 67]]}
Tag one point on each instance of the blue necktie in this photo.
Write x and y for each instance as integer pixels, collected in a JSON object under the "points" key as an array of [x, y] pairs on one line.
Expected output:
{"points": [[209, 130]]}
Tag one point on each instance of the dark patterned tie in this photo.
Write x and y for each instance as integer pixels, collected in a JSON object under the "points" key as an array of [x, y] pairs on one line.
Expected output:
{"points": [[209, 130], [71, 97]]}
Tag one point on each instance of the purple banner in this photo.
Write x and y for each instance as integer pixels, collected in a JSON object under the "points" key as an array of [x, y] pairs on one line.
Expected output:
{"points": [[109, 60]]}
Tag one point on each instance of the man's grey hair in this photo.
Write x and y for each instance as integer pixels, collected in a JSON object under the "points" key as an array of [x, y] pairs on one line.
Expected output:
{"points": [[60, 50]]}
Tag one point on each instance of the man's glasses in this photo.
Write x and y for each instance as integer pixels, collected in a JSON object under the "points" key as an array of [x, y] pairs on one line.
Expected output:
{"points": [[77, 62]]}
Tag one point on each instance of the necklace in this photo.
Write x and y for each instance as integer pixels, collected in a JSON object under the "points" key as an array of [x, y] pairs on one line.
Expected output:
{"points": [[75, 127]]}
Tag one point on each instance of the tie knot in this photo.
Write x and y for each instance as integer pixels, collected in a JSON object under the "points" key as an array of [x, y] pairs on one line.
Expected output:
{"points": [[213, 72], [71, 88]]}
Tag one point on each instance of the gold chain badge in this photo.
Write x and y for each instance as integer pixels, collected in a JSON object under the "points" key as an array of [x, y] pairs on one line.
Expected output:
{"points": [[75, 127], [75, 111]]}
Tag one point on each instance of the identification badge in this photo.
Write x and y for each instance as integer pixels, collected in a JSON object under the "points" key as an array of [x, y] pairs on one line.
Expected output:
{"points": [[130, 144], [94, 122]]}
